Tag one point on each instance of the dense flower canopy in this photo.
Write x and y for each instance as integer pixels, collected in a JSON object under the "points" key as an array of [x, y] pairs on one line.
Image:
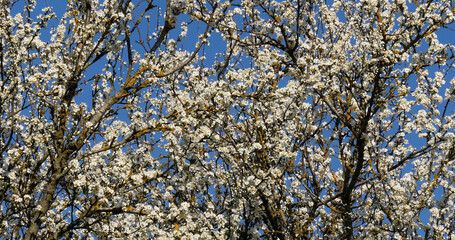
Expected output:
{"points": [[227, 119]]}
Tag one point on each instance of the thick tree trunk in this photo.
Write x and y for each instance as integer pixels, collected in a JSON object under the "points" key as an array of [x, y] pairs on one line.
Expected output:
{"points": [[42, 208]]}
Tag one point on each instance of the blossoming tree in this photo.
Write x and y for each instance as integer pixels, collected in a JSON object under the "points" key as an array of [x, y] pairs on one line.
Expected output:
{"points": [[218, 119]]}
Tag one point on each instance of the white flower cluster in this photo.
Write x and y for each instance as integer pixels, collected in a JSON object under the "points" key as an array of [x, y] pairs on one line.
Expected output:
{"points": [[221, 119]]}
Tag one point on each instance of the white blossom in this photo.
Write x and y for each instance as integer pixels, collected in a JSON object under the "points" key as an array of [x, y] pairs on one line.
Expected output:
{"points": [[226, 119]]}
